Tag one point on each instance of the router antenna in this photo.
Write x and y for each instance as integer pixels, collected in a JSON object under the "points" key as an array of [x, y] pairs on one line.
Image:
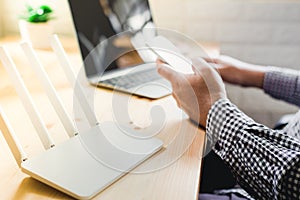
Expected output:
{"points": [[80, 94], [50, 90], [11, 139], [27, 101]]}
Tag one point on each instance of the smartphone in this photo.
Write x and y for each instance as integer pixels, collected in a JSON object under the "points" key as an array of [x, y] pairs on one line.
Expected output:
{"points": [[166, 51]]}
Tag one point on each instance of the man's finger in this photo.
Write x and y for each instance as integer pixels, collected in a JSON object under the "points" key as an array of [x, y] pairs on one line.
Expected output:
{"points": [[159, 61], [168, 73]]}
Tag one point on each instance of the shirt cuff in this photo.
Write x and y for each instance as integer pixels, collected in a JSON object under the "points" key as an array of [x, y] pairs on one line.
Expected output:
{"points": [[224, 118]]}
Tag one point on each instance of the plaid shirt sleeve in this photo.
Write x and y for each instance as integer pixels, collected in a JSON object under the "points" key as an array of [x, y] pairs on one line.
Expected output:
{"points": [[283, 84], [265, 162]]}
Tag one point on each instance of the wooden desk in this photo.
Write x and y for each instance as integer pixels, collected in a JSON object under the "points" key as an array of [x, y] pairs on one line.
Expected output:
{"points": [[179, 179]]}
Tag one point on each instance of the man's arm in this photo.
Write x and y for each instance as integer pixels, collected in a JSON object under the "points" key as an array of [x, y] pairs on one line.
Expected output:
{"points": [[284, 85], [265, 162]]}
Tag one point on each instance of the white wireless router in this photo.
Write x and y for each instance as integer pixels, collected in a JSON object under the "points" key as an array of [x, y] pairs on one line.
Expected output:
{"points": [[88, 162]]}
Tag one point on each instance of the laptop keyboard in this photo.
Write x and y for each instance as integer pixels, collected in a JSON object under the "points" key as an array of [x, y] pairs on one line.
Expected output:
{"points": [[133, 79]]}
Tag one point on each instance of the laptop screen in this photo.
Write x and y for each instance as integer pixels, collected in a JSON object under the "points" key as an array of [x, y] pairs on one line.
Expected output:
{"points": [[97, 20]]}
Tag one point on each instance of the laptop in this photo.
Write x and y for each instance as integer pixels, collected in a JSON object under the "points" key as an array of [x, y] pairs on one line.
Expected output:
{"points": [[108, 34]]}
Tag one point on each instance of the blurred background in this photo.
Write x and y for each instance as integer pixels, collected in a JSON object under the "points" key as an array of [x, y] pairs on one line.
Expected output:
{"points": [[265, 32]]}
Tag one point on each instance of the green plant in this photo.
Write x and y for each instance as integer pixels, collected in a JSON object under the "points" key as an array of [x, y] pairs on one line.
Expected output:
{"points": [[40, 14]]}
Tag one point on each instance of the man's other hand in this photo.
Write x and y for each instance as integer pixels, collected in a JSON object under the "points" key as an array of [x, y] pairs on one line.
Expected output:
{"points": [[237, 72]]}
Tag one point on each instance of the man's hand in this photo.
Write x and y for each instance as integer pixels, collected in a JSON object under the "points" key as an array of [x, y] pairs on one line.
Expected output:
{"points": [[195, 93], [238, 72]]}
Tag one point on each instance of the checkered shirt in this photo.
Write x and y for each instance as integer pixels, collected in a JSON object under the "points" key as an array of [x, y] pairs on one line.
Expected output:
{"points": [[265, 162]]}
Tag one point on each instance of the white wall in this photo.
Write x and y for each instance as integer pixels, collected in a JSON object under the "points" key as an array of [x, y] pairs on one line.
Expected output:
{"points": [[258, 31]]}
